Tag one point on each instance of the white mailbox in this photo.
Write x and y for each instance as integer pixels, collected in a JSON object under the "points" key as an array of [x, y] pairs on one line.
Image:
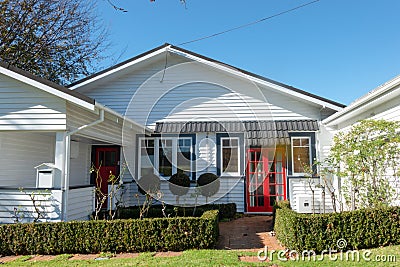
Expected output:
{"points": [[305, 204], [46, 176]]}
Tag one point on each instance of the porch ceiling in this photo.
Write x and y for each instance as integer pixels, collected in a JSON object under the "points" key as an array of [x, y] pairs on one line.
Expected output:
{"points": [[257, 133]]}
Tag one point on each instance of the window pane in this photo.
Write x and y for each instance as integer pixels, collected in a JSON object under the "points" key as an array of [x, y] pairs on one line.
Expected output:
{"points": [[260, 201], [165, 158], [272, 190], [301, 158], [296, 142], [272, 200], [234, 142], [230, 160], [146, 157], [110, 158], [271, 178], [279, 178], [100, 158], [225, 142], [305, 141], [184, 155]]}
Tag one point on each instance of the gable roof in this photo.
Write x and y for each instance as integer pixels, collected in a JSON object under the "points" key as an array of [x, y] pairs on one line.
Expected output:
{"points": [[377, 96], [46, 85], [214, 63]]}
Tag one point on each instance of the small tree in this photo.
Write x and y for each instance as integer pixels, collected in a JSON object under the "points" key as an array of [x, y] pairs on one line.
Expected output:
{"points": [[149, 185], [310, 174], [208, 184], [113, 193], [366, 157], [179, 184]]}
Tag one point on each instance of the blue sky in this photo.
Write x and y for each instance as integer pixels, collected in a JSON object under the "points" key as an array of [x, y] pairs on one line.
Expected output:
{"points": [[338, 49]]}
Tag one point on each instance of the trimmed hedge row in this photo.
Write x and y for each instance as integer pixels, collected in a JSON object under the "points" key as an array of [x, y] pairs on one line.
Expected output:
{"points": [[226, 211], [361, 229], [160, 234]]}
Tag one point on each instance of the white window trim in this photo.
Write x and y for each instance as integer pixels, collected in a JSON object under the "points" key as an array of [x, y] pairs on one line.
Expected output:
{"points": [[309, 153], [157, 155], [222, 158]]}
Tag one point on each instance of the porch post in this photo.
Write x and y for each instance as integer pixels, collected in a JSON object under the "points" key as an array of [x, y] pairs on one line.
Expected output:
{"points": [[61, 161]]}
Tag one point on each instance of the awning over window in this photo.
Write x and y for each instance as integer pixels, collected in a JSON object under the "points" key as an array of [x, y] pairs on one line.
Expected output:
{"points": [[257, 133]]}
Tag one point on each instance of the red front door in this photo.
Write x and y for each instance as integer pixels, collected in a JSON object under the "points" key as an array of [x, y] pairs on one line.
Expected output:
{"points": [[107, 162], [265, 178]]}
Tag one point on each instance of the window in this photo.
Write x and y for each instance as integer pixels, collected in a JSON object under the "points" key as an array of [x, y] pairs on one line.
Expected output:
{"points": [[146, 157], [301, 154], [165, 156], [230, 155]]}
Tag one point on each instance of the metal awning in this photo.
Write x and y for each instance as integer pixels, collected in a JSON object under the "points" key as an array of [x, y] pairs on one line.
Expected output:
{"points": [[257, 133]]}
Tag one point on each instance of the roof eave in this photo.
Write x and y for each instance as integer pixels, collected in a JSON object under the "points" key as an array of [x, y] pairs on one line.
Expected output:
{"points": [[382, 93], [47, 86], [123, 65]]}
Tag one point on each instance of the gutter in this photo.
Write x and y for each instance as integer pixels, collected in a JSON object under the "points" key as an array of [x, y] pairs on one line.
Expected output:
{"points": [[113, 112]]}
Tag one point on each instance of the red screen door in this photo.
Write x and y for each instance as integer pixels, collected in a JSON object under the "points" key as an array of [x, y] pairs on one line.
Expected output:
{"points": [[265, 178], [107, 161]]}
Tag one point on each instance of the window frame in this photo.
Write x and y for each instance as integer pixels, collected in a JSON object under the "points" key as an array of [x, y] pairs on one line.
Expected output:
{"points": [[157, 147], [310, 152], [221, 163]]}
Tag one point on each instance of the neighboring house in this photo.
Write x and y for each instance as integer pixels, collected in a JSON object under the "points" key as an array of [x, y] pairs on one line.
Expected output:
{"points": [[57, 130], [253, 132], [381, 103]]}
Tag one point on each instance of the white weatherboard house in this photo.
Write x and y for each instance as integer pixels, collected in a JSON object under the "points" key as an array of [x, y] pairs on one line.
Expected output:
{"points": [[166, 110], [381, 103]]}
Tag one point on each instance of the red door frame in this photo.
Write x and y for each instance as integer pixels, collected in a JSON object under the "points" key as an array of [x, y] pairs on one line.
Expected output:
{"points": [[262, 201], [107, 160]]}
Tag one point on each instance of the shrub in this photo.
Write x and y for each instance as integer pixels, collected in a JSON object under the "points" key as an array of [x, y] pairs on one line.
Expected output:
{"points": [[160, 234], [149, 183], [362, 229], [226, 211], [179, 184], [208, 184]]}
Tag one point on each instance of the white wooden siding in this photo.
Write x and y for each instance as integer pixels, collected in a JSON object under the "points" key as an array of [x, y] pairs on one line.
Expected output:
{"points": [[80, 165], [108, 131], [49, 203], [299, 187], [231, 191], [80, 203], [193, 91], [21, 152], [23, 107], [117, 93]]}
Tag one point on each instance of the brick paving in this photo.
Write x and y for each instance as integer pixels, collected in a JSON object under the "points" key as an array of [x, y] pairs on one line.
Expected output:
{"points": [[248, 233]]}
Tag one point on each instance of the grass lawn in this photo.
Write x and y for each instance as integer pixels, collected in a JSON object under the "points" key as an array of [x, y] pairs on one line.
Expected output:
{"points": [[217, 258]]}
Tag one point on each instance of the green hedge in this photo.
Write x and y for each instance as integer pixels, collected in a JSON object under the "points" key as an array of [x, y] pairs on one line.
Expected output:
{"points": [[226, 211], [362, 229], [159, 234]]}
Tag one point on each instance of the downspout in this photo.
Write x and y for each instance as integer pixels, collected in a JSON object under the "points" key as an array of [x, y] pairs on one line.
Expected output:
{"points": [[67, 159]]}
